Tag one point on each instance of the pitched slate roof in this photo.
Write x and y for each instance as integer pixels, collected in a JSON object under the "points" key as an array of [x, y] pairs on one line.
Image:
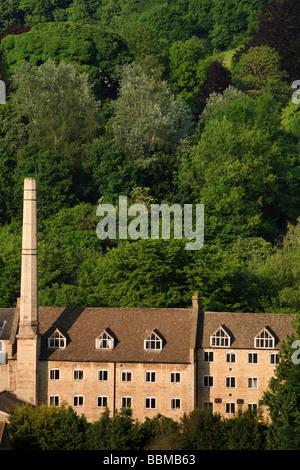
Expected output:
{"points": [[178, 327], [9, 401], [129, 327], [243, 327]]}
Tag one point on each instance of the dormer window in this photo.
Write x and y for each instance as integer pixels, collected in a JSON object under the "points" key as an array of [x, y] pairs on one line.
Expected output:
{"points": [[264, 340], [153, 342], [105, 341], [220, 338], [57, 340]]}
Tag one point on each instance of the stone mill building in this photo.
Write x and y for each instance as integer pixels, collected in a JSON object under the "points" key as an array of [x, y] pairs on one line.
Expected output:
{"points": [[153, 360]]}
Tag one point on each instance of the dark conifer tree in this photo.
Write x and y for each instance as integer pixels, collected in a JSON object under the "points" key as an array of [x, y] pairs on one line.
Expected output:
{"points": [[279, 27], [218, 79]]}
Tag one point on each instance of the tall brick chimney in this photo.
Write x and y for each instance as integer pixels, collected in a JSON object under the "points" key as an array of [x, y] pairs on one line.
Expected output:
{"points": [[28, 340], [28, 325]]}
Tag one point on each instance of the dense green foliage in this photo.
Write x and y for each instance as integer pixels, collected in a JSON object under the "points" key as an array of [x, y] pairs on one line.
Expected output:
{"points": [[56, 428], [174, 102], [162, 101], [283, 396]]}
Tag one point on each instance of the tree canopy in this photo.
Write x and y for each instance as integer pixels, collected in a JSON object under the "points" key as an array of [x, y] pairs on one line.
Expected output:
{"points": [[181, 102]]}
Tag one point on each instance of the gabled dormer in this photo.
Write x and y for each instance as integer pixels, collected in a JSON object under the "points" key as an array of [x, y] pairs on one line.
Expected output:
{"points": [[153, 342], [220, 338], [57, 340], [105, 341], [264, 339]]}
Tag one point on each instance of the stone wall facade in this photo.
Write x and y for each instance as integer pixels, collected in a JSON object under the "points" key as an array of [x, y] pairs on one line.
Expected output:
{"points": [[89, 387], [230, 378]]}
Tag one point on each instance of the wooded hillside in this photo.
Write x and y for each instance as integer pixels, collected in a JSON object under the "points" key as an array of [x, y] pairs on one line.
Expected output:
{"points": [[161, 101]]}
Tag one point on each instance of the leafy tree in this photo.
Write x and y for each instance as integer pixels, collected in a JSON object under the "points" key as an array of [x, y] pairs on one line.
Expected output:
{"points": [[232, 19], [230, 279], [120, 432], [239, 170], [47, 428], [257, 68], [10, 14], [145, 114], [58, 103], [184, 64], [167, 20], [217, 101], [86, 45], [246, 431], [217, 80], [279, 19], [67, 240], [41, 11], [10, 263], [112, 174], [55, 180], [159, 432], [291, 119], [283, 275], [201, 430], [283, 397], [141, 273], [199, 12], [78, 11], [11, 138], [59, 113], [142, 40], [98, 433]]}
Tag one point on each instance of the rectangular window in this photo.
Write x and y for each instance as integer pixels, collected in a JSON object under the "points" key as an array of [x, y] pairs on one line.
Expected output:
{"points": [[54, 400], [252, 406], [126, 402], [252, 382], [126, 376], [208, 356], [274, 358], [230, 382], [150, 376], [77, 374], [102, 401], [230, 408], [252, 358], [78, 400], [208, 404], [150, 403], [175, 377], [230, 357], [208, 381], [175, 404], [54, 374], [103, 375]]}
